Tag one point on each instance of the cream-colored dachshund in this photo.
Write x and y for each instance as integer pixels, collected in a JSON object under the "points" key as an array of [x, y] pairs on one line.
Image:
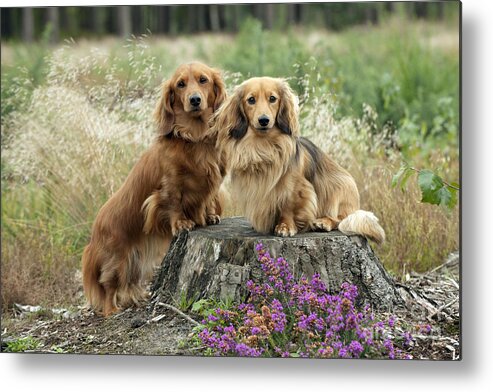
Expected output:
{"points": [[283, 182]]}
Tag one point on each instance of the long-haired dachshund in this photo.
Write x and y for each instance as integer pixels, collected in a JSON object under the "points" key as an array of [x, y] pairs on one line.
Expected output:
{"points": [[283, 182], [173, 187]]}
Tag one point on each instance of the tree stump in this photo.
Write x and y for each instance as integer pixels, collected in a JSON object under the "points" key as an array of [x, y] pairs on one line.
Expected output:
{"points": [[217, 261]]}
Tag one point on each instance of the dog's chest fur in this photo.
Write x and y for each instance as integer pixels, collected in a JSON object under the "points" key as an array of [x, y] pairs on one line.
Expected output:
{"points": [[262, 195], [196, 172], [259, 179]]}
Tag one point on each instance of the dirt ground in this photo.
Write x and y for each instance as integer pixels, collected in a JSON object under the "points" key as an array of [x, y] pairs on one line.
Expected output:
{"points": [[431, 298]]}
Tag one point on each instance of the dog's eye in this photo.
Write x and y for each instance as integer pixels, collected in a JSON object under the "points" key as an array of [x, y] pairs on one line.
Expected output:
{"points": [[251, 100], [181, 84], [203, 80], [272, 99]]}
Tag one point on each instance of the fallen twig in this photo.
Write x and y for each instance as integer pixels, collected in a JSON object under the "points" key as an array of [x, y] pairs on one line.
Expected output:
{"points": [[176, 310], [456, 285], [436, 338], [449, 261], [157, 318], [443, 307], [38, 327]]}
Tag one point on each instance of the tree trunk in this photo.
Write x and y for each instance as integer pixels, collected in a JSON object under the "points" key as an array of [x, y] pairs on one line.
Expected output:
{"points": [[214, 17], [98, 20], [234, 17], [124, 21], [291, 17], [27, 24], [163, 19], [269, 16], [217, 261], [54, 20]]}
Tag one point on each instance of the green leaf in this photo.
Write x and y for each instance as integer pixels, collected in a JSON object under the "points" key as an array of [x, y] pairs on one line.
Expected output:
{"points": [[398, 175], [294, 355], [430, 184], [453, 200], [404, 179], [199, 305], [448, 196], [445, 196]]}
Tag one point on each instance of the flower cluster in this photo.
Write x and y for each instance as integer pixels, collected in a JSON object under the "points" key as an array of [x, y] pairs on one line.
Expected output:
{"points": [[288, 318]]}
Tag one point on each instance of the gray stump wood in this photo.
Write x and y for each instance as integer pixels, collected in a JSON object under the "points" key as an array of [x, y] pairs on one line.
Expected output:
{"points": [[217, 261]]}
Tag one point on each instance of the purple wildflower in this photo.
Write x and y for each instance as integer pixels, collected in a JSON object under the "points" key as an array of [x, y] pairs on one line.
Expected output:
{"points": [[408, 339], [343, 352], [255, 330], [211, 317], [284, 316], [425, 329], [355, 348]]}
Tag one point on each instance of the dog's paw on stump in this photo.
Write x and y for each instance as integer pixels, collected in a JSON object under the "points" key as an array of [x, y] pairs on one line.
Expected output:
{"points": [[217, 261], [284, 230], [182, 225], [213, 219]]}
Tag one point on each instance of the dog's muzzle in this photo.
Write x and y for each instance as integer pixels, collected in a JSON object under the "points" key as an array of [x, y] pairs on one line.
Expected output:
{"points": [[195, 101], [263, 120]]}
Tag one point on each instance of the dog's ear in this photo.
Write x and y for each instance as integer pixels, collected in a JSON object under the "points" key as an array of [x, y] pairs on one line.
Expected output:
{"points": [[230, 120], [164, 115], [240, 127], [219, 89], [287, 116]]}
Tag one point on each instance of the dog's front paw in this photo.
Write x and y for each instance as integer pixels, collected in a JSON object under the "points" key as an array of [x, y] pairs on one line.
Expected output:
{"points": [[324, 224], [182, 224], [213, 219], [285, 230]]}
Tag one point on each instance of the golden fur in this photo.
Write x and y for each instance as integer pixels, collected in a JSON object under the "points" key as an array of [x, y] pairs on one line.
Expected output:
{"points": [[173, 187], [283, 182]]}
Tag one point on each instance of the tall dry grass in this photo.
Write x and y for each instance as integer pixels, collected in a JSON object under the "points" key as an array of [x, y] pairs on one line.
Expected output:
{"points": [[62, 157], [419, 235]]}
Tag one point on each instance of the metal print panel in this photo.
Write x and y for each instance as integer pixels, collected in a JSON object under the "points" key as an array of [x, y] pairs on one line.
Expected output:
{"points": [[242, 180]]}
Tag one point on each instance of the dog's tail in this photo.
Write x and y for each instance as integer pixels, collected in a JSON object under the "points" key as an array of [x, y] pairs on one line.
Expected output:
{"points": [[93, 290], [223, 200], [364, 223], [150, 209]]}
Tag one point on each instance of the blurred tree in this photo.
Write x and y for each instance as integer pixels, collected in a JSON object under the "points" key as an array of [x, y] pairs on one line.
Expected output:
{"points": [[54, 24], [440, 11], [98, 18], [136, 16], [214, 17], [233, 17], [30, 23], [421, 9], [291, 17], [124, 21], [27, 24], [200, 15], [268, 16], [371, 13]]}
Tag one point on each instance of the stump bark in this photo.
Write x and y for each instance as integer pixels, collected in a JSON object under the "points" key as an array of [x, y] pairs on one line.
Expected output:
{"points": [[217, 261]]}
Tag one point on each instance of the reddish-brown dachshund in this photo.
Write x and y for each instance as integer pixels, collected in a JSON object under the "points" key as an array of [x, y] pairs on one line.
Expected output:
{"points": [[173, 187], [283, 182]]}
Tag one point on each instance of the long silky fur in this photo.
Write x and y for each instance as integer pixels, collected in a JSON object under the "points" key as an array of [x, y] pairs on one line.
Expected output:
{"points": [[279, 178], [177, 178]]}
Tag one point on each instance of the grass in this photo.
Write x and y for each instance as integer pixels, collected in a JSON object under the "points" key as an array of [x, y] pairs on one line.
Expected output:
{"points": [[76, 117], [22, 344]]}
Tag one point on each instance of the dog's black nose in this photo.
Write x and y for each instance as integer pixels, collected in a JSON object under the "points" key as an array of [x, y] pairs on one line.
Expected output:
{"points": [[195, 100], [263, 120]]}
